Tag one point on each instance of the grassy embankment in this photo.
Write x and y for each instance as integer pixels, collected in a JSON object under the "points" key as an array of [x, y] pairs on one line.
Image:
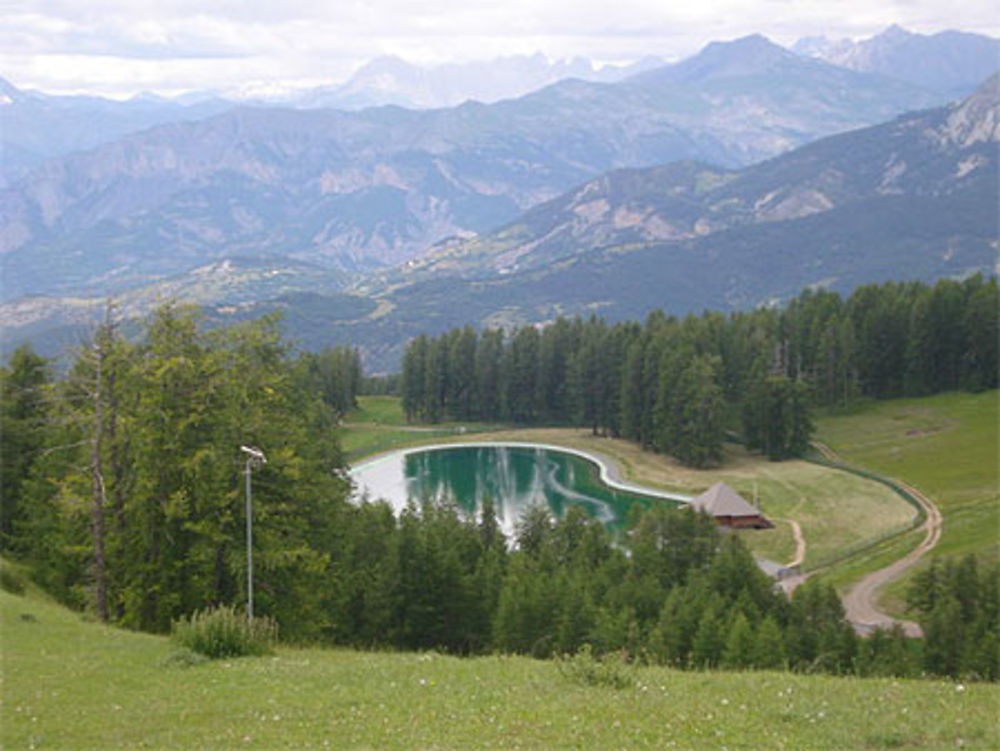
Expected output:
{"points": [[379, 425], [945, 445], [835, 509], [70, 684]]}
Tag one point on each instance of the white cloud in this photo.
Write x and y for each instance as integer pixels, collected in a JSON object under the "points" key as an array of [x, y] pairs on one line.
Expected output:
{"points": [[122, 46]]}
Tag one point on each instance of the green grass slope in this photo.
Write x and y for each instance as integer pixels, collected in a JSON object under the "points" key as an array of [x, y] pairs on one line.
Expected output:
{"points": [[946, 445], [69, 684]]}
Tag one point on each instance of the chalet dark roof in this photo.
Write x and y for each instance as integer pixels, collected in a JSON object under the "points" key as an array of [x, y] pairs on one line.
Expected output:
{"points": [[722, 500]]}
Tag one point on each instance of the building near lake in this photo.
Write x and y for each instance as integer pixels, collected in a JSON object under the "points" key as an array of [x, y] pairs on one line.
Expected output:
{"points": [[729, 509]]}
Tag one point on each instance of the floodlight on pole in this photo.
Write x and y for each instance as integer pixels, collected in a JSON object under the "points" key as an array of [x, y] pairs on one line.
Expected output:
{"points": [[254, 457]]}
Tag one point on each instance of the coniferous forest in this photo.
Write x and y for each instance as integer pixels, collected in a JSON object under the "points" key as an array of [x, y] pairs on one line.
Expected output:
{"points": [[123, 492], [677, 385]]}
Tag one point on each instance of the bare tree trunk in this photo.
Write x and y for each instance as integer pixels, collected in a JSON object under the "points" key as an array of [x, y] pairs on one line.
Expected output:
{"points": [[100, 499], [118, 477]]}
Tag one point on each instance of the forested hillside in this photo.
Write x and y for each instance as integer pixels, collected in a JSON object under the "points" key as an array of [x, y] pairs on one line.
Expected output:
{"points": [[123, 494], [676, 385]]}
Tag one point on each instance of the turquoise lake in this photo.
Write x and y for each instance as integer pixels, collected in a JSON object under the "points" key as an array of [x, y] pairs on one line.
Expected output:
{"points": [[516, 477]]}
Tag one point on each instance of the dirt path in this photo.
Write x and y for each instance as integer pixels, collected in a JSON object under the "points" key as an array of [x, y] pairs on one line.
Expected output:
{"points": [[800, 544], [790, 583], [860, 602]]}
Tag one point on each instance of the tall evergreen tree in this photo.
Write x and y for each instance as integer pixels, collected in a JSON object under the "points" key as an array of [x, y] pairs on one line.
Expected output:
{"points": [[414, 379], [24, 425], [490, 386], [699, 415]]}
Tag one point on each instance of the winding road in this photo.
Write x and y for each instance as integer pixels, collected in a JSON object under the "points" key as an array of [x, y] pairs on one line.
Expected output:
{"points": [[860, 603]]}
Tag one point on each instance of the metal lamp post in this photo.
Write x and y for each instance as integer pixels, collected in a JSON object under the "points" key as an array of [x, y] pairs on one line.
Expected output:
{"points": [[254, 457]]}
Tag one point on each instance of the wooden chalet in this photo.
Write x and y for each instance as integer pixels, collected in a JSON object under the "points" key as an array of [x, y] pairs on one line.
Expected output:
{"points": [[729, 509]]}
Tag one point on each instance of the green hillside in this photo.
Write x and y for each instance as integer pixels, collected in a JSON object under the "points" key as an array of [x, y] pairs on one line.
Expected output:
{"points": [[72, 684], [946, 445]]}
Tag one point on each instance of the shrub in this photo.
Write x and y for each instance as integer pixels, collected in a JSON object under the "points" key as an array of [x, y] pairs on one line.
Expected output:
{"points": [[588, 669], [11, 581], [183, 658], [222, 631]]}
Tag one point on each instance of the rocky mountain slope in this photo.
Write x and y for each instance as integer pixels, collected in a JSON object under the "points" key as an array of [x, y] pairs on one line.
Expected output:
{"points": [[35, 126], [358, 190], [936, 154], [915, 198]]}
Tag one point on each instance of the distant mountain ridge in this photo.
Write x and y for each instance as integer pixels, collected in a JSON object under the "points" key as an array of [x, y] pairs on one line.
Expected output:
{"points": [[392, 80], [686, 201], [951, 62], [355, 191], [913, 198], [35, 126]]}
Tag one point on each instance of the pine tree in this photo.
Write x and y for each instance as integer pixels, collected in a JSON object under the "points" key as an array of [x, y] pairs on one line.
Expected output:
{"points": [[776, 417], [699, 428], [708, 642], [414, 379], [769, 646], [24, 426], [740, 643], [490, 387]]}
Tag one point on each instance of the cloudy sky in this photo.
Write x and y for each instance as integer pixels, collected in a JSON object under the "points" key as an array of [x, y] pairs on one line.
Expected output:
{"points": [[121, 47]]}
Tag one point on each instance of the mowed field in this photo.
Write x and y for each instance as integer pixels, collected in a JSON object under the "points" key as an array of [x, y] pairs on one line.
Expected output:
{"points": [[945, 445], [71, 684]]}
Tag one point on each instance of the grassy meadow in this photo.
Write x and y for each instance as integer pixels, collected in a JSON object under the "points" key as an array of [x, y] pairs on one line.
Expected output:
{"points": [[945, 445], [72, 684]]}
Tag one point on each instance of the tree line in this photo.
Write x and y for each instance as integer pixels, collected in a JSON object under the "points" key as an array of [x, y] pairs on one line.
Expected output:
{"points": [[676, 385]]}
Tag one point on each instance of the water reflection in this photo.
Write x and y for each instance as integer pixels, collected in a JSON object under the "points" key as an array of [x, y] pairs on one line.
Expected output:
{"points": [[514, 477]]}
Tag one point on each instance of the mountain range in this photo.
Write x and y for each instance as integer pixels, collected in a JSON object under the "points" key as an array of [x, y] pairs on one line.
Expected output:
{"points": [[950, 62], [392, 80], [35, 126], [913, 198], [355, 191], [692, 185]]}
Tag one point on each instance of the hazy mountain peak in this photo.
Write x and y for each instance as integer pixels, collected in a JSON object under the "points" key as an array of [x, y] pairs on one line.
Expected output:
{"points": [[895, 33], [9, 93], [950, 62], [384, 64], [149, 97], [755, 45], [393, 80]]}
